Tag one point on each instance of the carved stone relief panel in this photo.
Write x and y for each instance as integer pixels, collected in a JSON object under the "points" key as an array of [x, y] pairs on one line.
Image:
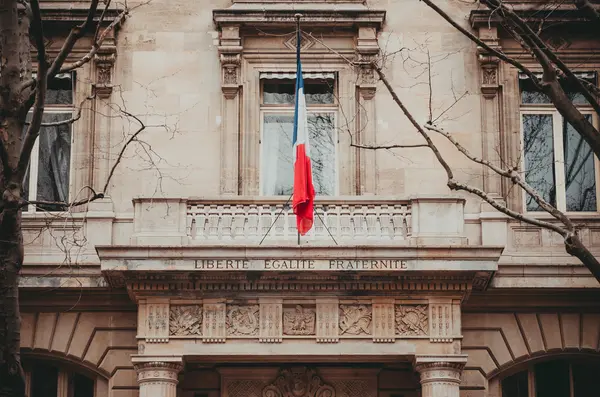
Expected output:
{"points": [[185, 320], [299, 320], [412, 320], [355, 319], [242, 320], [157, 322], [298, 382]]}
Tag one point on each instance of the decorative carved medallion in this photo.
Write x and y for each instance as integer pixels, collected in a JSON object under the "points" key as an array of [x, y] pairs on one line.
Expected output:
{"points": [[242, 320], [490, 75], [355, 320], [185, 320], [412, 320], [306, 42], [299, 320], [298, 382]]}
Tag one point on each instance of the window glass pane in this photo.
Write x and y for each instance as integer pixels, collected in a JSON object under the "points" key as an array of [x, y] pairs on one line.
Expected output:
{"points": [[54, 160], [585, 380], [81, 386], [282, 91], [580, 176], [552, 379], [531, 95], [277, 162], [44, 381], [539, 158], [60, 90], [516, 385]]}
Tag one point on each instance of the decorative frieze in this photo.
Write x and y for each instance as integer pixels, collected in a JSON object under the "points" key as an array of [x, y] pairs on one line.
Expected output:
{"points": [[412, 320], [298, 381], [242, 320], [271, 320], [185, 320], [355, 319], [299, 320]]}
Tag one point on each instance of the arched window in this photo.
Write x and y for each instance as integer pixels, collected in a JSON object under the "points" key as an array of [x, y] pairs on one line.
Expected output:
{"points": [[557, 378], [47, 379]]}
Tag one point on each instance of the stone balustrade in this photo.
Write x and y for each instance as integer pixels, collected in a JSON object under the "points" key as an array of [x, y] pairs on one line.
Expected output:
{"points": [[350, 220], [344, 220]]}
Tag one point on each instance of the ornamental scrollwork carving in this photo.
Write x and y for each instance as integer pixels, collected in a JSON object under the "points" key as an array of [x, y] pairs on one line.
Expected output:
{"points": [[185, 320], [412, 320], [355, 320], [299, 320], [242, 320], [298, 382]]}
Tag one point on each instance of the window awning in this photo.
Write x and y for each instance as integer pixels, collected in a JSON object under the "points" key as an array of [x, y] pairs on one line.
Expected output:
{"points": [[581, 75], [292, 75]]}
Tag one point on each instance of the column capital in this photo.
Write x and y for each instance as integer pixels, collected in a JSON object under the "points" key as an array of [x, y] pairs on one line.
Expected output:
{"points": [[440, 368], [152, 369]]}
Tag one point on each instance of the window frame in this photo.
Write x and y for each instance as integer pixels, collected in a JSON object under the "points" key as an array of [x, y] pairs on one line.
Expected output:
{"points": [[559, 155], [289, 108], [35, 151]]}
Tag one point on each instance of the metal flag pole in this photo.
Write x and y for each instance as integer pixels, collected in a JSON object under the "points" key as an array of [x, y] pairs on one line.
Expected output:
{"points": [[298, 42]]}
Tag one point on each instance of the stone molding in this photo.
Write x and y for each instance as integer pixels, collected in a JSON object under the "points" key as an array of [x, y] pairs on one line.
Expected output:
{"points": [[157, 371], [440, 375], [104, 61]]}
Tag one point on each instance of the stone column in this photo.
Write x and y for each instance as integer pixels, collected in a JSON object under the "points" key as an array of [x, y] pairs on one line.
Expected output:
{"points": [[440, 375], [157, 377]]}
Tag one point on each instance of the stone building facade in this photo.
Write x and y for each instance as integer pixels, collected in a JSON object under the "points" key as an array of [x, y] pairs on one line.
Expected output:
{"points": [[189, 280]]}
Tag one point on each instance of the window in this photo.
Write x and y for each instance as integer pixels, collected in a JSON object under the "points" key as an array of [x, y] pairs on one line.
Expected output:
{"points": [[48, 177], [558, 163], [47, 380], [554, 379], [277, 125]]}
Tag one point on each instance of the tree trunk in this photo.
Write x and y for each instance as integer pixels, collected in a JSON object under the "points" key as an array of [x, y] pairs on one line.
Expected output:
{"points": [[575, 247], [12, 378]]}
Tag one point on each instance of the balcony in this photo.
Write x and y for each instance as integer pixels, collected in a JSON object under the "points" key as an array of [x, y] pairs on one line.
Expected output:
{"points": [[372, 220]]}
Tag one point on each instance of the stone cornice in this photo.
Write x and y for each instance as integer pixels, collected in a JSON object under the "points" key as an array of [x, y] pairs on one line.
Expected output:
{"points": [[278, 17], [54, 15]]}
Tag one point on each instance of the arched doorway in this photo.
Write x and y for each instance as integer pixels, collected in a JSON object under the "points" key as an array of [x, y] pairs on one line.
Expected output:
{"points": [[575, 375], [48, 376]]}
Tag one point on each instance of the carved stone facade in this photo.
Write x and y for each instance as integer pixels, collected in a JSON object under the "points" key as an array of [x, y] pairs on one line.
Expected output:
{"points": [[185, 320], [298, 382], [299, 320]]}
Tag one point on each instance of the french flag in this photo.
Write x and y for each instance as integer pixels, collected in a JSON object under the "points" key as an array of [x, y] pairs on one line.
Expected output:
{"points": [[304, 191]]}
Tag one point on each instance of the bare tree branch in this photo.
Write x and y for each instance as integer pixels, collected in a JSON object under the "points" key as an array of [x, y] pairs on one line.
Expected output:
{"points": [[74, 35], [378, 147], [40, 97]]}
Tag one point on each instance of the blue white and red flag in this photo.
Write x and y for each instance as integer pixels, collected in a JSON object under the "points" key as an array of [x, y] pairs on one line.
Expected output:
{"points": [[304, 191]]}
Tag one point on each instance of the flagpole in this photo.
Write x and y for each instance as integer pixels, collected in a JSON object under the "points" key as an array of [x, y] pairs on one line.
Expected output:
{"points": [[298, 43]]}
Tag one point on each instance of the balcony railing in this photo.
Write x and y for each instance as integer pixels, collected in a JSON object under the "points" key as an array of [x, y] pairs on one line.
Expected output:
{"points": [[270, 220], [350, 220]]}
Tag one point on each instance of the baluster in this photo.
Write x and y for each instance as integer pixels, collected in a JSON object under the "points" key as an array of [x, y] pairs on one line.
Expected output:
{"points": [[408, 219], [371, 222], [265, 221], [398, 220], [201, 221], [386, 222], [189, 223], [213, 222], [237, 222], [345, 224], [279, 226], [226, 221], [252, 227]]}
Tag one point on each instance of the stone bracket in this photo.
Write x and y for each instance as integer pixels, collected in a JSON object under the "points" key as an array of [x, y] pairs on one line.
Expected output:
{"points": [[104, 61]]}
